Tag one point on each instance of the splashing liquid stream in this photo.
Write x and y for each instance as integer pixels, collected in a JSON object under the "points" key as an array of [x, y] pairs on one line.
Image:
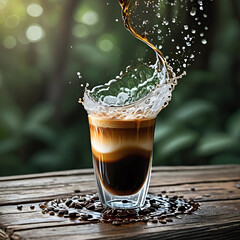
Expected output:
{"points": [[142, 91]]}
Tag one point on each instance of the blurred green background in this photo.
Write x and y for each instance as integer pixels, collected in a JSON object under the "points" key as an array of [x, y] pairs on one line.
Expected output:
{"points": [[45, 43]]}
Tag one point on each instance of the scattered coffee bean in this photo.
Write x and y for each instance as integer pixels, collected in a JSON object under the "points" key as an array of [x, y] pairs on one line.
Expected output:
{"points": [[77, 191], [90, 206], [181, 208], [154, 220], [84, 216], [131, 212], [19, 207], [163, 191], [124, 201], [74, 214], [162, 221], [172, 206], [132, 220], [68, 202], [32, 207], [145, 219], [193, 189], [94, 220], [116, 223]]}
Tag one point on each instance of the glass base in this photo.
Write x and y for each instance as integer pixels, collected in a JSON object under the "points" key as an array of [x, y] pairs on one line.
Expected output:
{"points": [[136, 200], [122, 204]]}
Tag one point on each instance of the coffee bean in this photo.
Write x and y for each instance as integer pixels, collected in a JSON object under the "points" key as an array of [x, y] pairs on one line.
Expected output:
{"points": [[51, 213], [116, 223], [124, 201], [99, 209], [152, 201], [78, 205], [84, 216], [95, 198], [73, 214], [181, 208], [145, 219], [163, 191], [155, 205], [168, 219], [171, 191], [193, 189], [122, 214], [131, 212], [72, 205], [68, 202], [94, 220], [162, 221], [77, 191], [42, 206], [132, 220], [32, 207], [152, 209], [154, 220], [19, 207], [90, 206]]}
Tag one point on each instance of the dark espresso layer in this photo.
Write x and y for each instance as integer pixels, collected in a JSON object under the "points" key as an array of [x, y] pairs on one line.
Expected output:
{"points": [[125, 176]]}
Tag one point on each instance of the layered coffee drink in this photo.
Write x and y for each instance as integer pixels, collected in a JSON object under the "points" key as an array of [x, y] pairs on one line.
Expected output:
{"points": [[122, 153]]}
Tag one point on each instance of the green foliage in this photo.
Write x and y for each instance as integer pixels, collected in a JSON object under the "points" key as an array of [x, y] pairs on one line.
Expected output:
{"points": [[43, 128]]}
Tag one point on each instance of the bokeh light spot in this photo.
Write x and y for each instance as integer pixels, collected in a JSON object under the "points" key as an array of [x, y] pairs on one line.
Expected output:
{"points": [[105, 45], [90, 17], [34, 10], [12, 21], [80, 31], [3, 3], [35, 33], [9, 42]]}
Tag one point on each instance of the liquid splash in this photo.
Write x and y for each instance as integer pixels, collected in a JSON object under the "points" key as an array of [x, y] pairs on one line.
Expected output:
{"points": [[142, 91]]}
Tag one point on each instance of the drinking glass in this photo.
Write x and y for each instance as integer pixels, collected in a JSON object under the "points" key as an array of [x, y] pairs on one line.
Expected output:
{"points": [[122, 160]]}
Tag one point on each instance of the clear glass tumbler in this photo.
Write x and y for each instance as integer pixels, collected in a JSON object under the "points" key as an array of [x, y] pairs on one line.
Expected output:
{"points": [[122, 159]]}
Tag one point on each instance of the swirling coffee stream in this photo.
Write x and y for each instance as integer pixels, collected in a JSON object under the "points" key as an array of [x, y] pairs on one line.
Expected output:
{"points": [[139, 80], [126, 17]]}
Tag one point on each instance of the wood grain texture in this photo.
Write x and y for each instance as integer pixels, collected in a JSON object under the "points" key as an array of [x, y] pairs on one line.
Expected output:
{"points": [[215, 187]]}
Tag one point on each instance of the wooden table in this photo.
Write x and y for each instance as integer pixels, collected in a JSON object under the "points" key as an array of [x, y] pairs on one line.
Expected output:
{"points": [[216, 187]]}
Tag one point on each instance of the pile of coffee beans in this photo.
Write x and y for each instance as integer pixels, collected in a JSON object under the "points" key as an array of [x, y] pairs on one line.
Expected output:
{"points": [[157, 209]]}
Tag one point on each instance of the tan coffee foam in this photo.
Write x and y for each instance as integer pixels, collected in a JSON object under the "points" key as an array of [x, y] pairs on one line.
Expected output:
{"points": [[115, 123]]}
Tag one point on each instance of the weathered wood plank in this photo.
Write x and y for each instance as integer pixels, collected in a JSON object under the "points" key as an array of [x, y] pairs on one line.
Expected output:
{"points": [[219, 214], [90, 171], [213, 218], [207, 192], [39, 189]]}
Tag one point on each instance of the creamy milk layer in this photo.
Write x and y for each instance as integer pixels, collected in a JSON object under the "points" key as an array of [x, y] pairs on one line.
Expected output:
{"points": [[113, 140]]}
